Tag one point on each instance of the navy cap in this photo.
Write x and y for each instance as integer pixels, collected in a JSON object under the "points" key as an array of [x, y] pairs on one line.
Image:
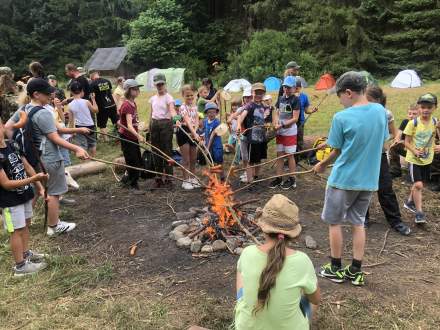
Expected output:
{"points": [[39, 85]]}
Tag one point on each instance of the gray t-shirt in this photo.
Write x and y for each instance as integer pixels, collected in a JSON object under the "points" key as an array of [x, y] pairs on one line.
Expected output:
{"points": [[43, 124]]}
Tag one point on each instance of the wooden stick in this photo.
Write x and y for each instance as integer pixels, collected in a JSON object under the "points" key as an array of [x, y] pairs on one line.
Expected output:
{"points": [[169, 204], [243, 228], [250, 201], [208, 160], [198, 231], [384, 242]]}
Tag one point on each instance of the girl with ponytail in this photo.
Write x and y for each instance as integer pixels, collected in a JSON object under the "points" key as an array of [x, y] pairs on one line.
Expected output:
{"points": [[275, 284]]}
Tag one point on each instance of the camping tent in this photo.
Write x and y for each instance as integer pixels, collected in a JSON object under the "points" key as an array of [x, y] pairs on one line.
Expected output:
{"points": [[109, 62], [272, 84], [369, 77], [237, 85], [174, 76], [406, 79], [326, 81]]}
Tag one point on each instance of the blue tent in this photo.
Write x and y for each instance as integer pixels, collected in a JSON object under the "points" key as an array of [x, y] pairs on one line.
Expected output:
{"points": [[272, 84]]}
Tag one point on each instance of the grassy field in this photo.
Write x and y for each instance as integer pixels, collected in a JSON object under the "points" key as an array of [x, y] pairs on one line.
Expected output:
{"points": [[77, 292]]}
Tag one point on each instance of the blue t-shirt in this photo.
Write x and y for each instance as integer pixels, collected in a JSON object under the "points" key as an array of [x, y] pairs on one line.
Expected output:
{"points": [[359, 132], [208, 127], [303, 104]]}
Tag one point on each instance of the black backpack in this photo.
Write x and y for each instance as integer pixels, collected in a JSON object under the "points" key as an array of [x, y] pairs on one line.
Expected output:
{"points": [[148, 162], [24, 138]]}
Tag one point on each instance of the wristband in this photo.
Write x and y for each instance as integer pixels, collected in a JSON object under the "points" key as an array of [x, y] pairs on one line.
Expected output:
{"points": [[177, 118]]}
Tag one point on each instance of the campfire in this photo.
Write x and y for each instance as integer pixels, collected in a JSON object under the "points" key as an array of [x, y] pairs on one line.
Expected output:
{"points": [[219, 226]]}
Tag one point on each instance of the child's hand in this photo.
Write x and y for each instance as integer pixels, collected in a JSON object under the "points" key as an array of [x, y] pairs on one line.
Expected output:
{"points": [[40, 191], [315, 109], [418, 153], [84, 130], [141, 139], [278, 126], [437, 148], [82, 154], [321, 146], [39, 177], [319, 168], [92, 96]]}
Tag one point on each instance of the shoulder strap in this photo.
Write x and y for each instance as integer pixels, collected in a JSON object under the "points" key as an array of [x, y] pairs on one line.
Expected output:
{"points": [[434, 121], [415, 122]]}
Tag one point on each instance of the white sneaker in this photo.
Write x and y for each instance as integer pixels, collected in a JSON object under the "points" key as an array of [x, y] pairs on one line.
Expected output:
{"points": [[70, 181], [187, 185], [29, 268], [36, 257], [194, 182], [61, 228], [243, 178]]}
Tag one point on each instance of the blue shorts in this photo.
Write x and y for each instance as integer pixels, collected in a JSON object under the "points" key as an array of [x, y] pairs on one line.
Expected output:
{"points": [[217, 155]]}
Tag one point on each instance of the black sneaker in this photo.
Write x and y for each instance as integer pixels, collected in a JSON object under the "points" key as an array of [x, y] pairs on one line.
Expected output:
{"points": [[356, 278], [275, 183], [420, 218], [289, 184], [334, 275], [402, 229]]}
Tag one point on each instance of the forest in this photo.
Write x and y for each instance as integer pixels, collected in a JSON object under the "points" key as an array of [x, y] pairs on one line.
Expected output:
{"points": [[248, 38]]}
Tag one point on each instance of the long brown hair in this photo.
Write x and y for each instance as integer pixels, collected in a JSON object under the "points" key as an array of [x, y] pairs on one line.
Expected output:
{"points": [[376, 93], [275, 262]]}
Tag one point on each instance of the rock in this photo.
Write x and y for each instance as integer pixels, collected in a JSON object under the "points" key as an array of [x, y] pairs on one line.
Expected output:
{"points": [[310, 242], [185, 215], [176, 235], [196, 246], [196, 210], [174, 224], [207, 249], [182, 228], [233, 243], [238, 251], [219, 245], [184, 242]]}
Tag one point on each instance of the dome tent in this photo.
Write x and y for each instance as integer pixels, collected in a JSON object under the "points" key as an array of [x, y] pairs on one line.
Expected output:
{"points": [[406, 79], [272, 84], [326, 81]]}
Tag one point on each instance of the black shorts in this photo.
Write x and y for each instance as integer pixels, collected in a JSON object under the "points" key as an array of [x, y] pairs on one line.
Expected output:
{"points": [[257, 152], [103, 115], [182, 138], [419, 172]]}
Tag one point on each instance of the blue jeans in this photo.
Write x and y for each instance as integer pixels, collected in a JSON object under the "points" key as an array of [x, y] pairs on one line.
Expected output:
{"points": [[66, 156]]}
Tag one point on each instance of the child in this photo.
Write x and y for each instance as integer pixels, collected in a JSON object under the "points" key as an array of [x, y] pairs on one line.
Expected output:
{"points": [[233, 125], [47, 140], [204, 98], [80, 117], [187, 146], [177, 105], [304, 105], [213, 142], [129, 119], [16, 196], [357, 135], [207, 82], [252, 121], [397, 149], [420, 146], [276, 284], [284, 119]]}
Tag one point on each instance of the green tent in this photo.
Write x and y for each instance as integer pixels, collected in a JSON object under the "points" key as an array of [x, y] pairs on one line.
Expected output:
{"points": [[174, 76]]}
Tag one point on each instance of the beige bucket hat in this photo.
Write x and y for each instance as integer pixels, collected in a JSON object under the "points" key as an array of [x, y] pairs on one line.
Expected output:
{"points": [[280, 216], [221, 129]]}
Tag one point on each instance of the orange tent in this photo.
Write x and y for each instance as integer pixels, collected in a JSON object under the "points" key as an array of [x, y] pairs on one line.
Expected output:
{"points": [[325, 82]]}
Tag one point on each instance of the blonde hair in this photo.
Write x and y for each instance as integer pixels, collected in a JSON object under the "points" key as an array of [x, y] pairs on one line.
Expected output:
{"points": [[202, 88], [413, 107], [236, 101], [23, 99], [186, 88]]}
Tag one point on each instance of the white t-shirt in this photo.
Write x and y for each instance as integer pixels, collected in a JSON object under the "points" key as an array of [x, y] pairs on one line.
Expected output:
{"points": [[159, 106], [192, 112], [81, 112]]}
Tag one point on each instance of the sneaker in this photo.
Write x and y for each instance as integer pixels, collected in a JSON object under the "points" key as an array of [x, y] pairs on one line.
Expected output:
{"points": [[61, 228], [275, 183], [35, 257], [334, 275], [410, 206], [187, 185], [67, 201], [356, 279], [195, 183], [70, 181], [290, 183], [402, 229], [420, 218], [29, 268]]}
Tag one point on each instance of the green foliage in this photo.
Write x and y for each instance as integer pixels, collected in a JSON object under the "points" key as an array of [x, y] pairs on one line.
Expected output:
{"points": [[158, 35]]}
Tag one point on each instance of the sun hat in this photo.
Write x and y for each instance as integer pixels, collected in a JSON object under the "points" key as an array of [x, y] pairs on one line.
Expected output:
{"points": [[292, 65], [258, 87], [39, 85], [131, 83], [352, 80], [280, 216], [221, 129], [267, 97], [247, 92], [427, 98], [289, 81], [177, 102], [210, 106], [159, 78]]}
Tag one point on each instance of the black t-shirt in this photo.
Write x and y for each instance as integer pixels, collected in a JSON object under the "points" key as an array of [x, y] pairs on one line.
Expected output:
{"points": [[103, 92], [257, 115], [403, 126], [82, 80], [211, 94], [11, 163]]}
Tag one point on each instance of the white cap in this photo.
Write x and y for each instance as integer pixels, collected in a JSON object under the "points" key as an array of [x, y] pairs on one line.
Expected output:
{"points": [[267, 97], [247, 91]]}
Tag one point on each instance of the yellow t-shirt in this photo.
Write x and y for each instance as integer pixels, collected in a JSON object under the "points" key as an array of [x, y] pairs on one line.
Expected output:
{"points": [[422, 139]]}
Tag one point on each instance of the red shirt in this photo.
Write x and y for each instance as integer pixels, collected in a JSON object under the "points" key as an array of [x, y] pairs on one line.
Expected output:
{"points": [[127, 108]]}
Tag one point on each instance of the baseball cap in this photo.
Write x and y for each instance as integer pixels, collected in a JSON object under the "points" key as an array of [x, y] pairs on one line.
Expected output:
{"points": [[211, 105], [39, 85], [289, 81], [267, 97], [427, 98], [159, 78], [52, 77], [247, 92], [177, 103], [131, 83], [258, 87], [352, 80], [292, 65]]}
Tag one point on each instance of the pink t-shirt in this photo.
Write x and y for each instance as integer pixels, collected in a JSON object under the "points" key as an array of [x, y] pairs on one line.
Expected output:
{"points": [[159, 106]]}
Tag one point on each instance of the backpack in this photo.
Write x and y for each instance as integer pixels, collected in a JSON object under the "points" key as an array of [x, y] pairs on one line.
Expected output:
{"points": [[434, 121], [24, 138], [148, 164]]}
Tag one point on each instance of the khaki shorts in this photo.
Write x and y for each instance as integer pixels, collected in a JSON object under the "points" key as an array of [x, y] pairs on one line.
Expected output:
{"points": [[15, 217], [56, 185]]}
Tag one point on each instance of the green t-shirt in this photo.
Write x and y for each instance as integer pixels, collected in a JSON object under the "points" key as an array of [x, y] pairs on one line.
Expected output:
{"points": [[201, 104], [283, 312]]}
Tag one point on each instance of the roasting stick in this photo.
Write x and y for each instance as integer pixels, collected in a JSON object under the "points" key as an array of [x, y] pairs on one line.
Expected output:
{"points": [[199, 146], [243, 228], [231, 167]]}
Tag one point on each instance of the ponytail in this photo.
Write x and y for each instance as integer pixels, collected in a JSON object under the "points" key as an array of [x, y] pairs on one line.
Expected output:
{"points": [[275, 261]]}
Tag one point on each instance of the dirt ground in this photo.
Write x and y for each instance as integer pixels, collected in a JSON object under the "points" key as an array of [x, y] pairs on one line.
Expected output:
{"points": [[401, 292]]}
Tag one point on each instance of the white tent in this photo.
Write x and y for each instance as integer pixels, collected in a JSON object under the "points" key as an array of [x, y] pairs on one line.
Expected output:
{"points": [[406, 79], [237, 85], [174, 77]]}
